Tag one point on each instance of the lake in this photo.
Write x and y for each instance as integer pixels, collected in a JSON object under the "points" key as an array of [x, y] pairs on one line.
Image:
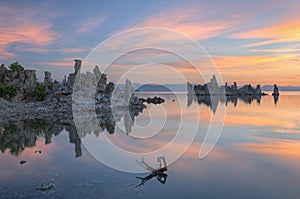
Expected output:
{"points": [[256, 156]]}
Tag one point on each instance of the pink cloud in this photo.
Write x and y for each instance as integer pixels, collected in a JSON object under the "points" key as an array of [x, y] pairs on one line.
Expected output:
{"points": [[73, 50], [91, 24], [23, 27], [68, 62], [192, 21]]}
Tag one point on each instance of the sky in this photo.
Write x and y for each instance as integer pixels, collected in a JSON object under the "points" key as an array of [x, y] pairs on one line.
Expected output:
{"points": [[255, 42]]}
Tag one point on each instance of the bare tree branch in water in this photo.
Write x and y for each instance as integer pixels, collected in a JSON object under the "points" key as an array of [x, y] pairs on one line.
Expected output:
{"points": [[158, 173]]}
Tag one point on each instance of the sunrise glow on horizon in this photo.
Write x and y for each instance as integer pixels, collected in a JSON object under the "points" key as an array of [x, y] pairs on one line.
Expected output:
{"points": [[255, 42]]}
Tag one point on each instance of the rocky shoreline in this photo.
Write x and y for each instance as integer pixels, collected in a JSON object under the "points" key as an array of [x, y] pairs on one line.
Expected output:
{"points": [[54, 108], [91, 94], [56, 112]]}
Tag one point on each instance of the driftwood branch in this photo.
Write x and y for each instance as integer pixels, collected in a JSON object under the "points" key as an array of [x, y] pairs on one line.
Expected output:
{"points": [[158, 173]]}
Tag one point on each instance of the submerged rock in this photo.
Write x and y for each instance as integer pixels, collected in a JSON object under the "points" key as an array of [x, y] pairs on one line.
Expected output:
{"points": [[22, 162], [46, 186]]}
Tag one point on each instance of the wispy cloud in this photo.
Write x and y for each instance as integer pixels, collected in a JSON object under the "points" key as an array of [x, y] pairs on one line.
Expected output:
{"points": [[191, 21], [277, 33], [253, 61], [23, 27], [43, 50], [67, 62], [73, 50], [277, 50], [284, 27], [90, 24]]}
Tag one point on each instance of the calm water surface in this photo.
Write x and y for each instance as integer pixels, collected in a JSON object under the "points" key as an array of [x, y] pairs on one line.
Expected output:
{"points": [[257, 155]]}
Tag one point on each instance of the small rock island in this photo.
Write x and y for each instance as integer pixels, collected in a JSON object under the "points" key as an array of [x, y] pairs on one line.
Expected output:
{"points": [[213, 88]]}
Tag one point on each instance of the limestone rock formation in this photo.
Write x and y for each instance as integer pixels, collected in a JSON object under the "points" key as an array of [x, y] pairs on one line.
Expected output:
{"points": [[97, 72], [190, 88], [77, 65], [48, 81], [128, 90], [258, 90], [212, 88], [72, 76]]}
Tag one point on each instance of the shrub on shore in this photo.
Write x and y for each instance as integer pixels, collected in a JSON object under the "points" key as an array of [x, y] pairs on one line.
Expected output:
{"points": [[16, 67], [40, 92], [7, 91]]}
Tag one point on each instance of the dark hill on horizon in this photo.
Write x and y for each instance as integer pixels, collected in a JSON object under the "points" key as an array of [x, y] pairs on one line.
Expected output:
{"points": [[281, 88], [182, 87], [153, 88]]}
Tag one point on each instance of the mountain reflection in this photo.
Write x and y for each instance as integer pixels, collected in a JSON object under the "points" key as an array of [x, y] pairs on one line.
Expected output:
{"points": [[214, 100]]}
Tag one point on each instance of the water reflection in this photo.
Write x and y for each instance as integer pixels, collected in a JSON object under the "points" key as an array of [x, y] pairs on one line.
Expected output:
{"points": [[275, 99], [214, 100], [161, 177], [16, 136], [259, 141]]}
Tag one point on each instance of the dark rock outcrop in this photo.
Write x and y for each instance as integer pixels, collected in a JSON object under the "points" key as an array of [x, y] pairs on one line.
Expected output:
{"points": [[154, 100], [275, 90]]}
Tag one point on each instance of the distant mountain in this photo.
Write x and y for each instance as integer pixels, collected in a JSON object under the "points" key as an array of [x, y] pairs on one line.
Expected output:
{"points": [[153, 88], [281, 88]]}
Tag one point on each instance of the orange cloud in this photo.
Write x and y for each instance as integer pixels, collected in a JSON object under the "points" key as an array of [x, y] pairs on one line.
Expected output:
{"points": [[263, 69], [286, 31], [231, 62], [278, 50]]}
